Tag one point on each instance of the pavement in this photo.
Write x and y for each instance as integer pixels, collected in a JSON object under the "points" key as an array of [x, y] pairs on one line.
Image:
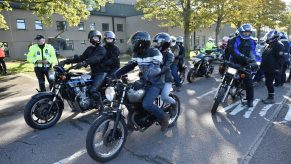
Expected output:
{"points": [[236, 134]]}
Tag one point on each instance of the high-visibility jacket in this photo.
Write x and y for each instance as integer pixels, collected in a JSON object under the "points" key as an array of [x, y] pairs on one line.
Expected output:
{"points": [[2, 53], [47, 54], [209, 46]]}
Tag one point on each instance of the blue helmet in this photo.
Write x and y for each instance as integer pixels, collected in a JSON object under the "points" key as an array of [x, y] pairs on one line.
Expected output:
{"points": [[273, 36], [245, 28], [283, 35]]}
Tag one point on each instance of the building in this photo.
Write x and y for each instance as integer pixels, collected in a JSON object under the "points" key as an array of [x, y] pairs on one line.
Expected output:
{"points": [[120, 17]]}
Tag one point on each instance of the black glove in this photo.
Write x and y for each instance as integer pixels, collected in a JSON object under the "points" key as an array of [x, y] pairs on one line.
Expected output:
{"points": [[80, 65]]}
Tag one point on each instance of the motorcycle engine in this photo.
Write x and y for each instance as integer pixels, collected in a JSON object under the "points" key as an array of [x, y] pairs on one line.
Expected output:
{"points": [[141, 120], [82, 98]]}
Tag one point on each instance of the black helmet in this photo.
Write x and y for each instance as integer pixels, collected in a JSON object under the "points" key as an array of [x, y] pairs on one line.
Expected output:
{"points": [[140, 41], [93, 33], [273, 36], [109, 35], [162, 41]]}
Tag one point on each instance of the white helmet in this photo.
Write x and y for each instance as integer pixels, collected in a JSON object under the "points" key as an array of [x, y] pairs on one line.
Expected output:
{"points": [[173, 40], [225, 39], [210, 39]]}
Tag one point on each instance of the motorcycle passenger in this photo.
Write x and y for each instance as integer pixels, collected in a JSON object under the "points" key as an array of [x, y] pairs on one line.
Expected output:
{"points": [[111, 62], [281, 78], [94, 55], [180, 42], [162, 41], [175, 50], [272, 60], [243, 53], [149, 60]]}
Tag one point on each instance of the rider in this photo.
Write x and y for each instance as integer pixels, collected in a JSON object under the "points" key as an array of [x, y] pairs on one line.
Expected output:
{"points": [[281, 78], [149, 60], [209, 46], [111, 61], [162, 41], [180, 42], [272, 61], [94, 55], [175, 50], [243, 54]]}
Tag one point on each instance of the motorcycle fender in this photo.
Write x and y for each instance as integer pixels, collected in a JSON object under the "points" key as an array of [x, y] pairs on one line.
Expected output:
{"points": [[59, 100], [112, 114]]}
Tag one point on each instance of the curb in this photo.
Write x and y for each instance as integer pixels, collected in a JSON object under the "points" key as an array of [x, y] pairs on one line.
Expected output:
{"points": [[254, 146]]}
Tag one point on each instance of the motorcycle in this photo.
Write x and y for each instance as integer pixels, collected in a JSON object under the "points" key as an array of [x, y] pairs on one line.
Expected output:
{"points": [[182, 73], [107, 135], [202, 66], [45, 108], [233, 83]]}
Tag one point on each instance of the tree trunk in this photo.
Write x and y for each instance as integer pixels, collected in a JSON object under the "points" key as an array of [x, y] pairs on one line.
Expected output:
{"points": [[217, 29], [186, 13], [259, 33]]}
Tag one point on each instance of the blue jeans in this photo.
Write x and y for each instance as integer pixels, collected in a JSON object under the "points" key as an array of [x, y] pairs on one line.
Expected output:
{"points": [[148, 102], [165, 94], [174, 71]]}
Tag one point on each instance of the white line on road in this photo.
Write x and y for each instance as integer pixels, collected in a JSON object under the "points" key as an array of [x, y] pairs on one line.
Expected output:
{"points": [[230, 106], [74, 156], [250, 110], [239, 108], [265, 110], [207, 93], [288, 115]]}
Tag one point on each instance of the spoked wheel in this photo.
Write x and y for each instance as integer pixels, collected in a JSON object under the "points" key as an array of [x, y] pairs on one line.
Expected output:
{"points": [[174, 113], [191, 75], [103, 143], [182, 77], [218, 99], [37, 113]]}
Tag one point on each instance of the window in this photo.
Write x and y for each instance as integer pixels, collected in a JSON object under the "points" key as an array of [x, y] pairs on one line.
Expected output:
{"points": [[20, 24], [105, 27], [81, 26], [92, 26], [102, 9], [69, 45], [61, 25], [121, 40], [38, 25], [120, 27]]}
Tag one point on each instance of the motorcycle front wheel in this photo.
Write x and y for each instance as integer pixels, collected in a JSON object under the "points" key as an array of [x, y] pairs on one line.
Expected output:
{"points": [[37, 114], [192, 74], [218, 99], [101, 144]]}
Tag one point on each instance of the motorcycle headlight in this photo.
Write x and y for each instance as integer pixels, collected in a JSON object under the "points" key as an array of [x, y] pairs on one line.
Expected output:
{"points": [[51, 75], [258, 63], [110, 93], [231, 71]]}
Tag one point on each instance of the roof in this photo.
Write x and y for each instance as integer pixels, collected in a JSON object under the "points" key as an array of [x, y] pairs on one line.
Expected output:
{"points": [[117, 9]]}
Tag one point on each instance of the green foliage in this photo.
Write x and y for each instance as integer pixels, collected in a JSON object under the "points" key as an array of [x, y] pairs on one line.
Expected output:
{"points": [[73, 11]]}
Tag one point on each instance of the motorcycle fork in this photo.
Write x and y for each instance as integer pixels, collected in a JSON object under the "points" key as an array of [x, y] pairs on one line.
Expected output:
{"points": [[219, 87], [228, 88], [57, 89], [118, 112]]}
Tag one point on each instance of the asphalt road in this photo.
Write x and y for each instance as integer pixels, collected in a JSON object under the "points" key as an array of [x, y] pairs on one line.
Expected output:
{"points": [[236, 134]]}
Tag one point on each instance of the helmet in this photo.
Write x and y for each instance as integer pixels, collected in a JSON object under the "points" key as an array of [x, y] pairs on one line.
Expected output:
{"points": [[135, 95], [210, 39], [225, 39], [93, 33], [140, 41], [273, 36], [173, 41], [180, 39], [283, 35], [245, 28], [109, 35], [162, 41]]}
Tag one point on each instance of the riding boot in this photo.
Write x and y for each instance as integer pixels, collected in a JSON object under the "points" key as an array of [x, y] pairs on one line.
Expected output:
{"points": [[165, 122], [269, 99]]}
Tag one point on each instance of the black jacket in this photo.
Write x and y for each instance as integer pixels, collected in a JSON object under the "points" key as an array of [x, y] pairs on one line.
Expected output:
{"points": [[287, 49], [168, 59], [244, 51], [181, 52], [273, 57], [111, 61], [93, 56]]}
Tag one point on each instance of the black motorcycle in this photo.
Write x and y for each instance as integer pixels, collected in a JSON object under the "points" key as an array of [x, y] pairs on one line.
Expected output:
{"points": [[203, 66], [182, 73], [232, 83], [108, 133], [45, 108]]}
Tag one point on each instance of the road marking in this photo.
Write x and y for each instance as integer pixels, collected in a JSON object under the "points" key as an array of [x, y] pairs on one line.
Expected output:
{"points": [[33, 78], [230, 106], [250, 110], [265, 110], [239, 108], [207, 93], [288, 115], [74, 156]]}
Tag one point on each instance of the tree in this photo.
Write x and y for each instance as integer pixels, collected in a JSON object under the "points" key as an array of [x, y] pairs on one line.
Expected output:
{"points": [[71, 10], [170, 12]]}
